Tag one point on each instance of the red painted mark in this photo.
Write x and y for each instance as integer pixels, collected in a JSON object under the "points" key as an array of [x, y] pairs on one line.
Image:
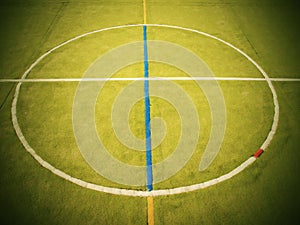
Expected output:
{"points": [[258, 153]]}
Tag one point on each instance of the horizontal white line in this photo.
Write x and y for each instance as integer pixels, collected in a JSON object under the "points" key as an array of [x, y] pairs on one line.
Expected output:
{"points": [[142, 79], [285, 79]]}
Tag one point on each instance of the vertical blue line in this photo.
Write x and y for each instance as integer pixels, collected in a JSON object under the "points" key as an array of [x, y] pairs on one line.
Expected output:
{"points": [[149, 181]]}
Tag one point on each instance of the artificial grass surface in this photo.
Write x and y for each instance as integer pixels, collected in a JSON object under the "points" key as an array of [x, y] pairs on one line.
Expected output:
{"points": [[45, 116], [266, 193]]}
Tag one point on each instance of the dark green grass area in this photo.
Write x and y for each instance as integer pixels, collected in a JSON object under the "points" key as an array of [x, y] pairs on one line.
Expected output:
{"points": [[24, 29], [266, 30], [31, 28], [273, 35]]}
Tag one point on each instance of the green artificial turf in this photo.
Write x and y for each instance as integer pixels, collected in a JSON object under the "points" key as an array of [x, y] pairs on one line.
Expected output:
{"points": [[265, 193]]}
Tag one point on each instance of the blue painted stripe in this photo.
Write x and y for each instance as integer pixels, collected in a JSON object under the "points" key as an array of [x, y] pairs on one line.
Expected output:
{"points": [[149, 181]]}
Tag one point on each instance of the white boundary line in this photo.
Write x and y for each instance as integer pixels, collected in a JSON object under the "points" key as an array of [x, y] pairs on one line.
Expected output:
{"points": [[36, 80], [119, 191]]}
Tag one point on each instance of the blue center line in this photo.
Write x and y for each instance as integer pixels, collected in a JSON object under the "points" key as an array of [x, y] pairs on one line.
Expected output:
{"points": [[149, 181]]}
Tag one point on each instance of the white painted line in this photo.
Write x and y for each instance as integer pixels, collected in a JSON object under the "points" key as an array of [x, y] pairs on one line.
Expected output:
{"points": [[36, 80], [206, 184], [285, 79]]}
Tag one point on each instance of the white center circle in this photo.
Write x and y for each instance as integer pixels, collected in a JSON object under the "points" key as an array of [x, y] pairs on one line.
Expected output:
{"points": [[133, 192]]}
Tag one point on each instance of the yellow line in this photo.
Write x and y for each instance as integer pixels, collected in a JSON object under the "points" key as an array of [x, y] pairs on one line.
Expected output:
{"points": [[150, 210], [145, 11]]}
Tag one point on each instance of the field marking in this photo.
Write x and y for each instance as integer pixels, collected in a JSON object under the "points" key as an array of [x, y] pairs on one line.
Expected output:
{"points": [[149, 181], [150, 210], [149, 175], [144, 11], [127, 192], [36, 80], [149, 171]]}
